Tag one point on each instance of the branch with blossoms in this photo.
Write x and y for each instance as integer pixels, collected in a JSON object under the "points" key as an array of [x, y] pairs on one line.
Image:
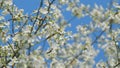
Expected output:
{"points": [[116, 65], [42, 39]]}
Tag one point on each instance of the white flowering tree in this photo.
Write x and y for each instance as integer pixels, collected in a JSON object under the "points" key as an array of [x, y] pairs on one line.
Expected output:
{"points": [[23, 37]]}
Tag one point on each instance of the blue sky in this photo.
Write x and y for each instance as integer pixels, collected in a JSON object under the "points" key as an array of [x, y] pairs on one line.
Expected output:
{"points": [[30, 5]]}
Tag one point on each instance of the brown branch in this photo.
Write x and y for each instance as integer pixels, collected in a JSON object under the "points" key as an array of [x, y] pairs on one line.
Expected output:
{"points": [[1, 4], [11, 47], [117, 65], [41, 3], [12, 20], [98, 37], [43, 20]]}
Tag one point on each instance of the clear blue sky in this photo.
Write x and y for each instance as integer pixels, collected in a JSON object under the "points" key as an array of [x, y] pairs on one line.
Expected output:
{"points": [[30, 5]]}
